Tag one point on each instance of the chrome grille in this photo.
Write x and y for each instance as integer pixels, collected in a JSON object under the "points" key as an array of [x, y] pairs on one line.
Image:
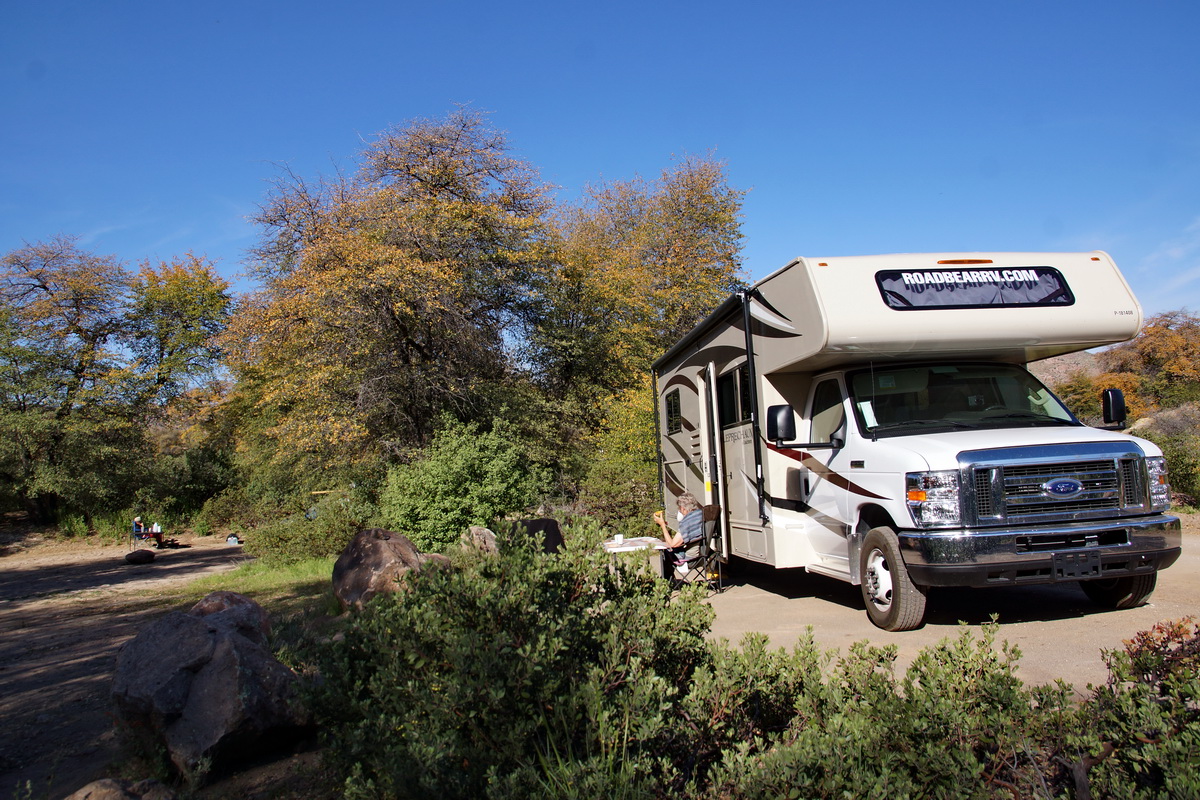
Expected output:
{"points": [[1015, 493], [1131, 482]]}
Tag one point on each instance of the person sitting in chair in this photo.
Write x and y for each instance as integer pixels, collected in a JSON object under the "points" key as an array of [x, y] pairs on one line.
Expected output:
{"points": [[691, 530], [140, 532]]}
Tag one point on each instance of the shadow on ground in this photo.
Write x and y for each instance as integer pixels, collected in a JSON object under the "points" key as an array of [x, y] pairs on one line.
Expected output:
{"points": [[947, 606], [111, 570]]}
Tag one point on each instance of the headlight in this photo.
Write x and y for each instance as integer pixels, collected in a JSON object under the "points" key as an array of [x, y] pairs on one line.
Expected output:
{"points": [[933, 498], [1160, 488]]}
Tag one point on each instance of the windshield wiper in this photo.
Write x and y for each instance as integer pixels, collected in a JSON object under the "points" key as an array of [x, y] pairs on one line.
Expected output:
{"points": [[953, 423], [1026, 415]]}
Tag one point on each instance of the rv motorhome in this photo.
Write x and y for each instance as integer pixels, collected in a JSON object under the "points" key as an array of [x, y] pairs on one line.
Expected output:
{"points": [[871, 419]]}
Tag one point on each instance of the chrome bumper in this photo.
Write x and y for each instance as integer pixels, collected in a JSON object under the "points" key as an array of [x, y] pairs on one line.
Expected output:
{"points": [[1044, 554]]}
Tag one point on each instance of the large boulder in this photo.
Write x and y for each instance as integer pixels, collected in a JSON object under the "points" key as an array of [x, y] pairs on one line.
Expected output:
{"points": [[139, 557], [545, 531], [376, 562], [203, 686], [479, 538]]}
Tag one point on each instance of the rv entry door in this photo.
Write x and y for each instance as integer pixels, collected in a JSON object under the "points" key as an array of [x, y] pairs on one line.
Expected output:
{"points": [[824, 490]]}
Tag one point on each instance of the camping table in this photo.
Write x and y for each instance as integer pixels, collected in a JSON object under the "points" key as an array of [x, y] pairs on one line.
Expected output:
{"points": [[652, 546]]}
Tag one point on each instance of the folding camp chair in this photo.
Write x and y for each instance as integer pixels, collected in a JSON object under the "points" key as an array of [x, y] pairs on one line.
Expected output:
{"points": [[145, 536], [701, 561]]}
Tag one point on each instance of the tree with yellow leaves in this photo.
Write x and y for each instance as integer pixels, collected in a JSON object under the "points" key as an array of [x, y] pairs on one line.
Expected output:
{"points": [[387, 296], [638, 263], [1163, 360]]}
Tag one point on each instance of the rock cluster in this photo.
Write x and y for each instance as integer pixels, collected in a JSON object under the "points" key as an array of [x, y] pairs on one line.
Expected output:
{"points": [[109, 789]]}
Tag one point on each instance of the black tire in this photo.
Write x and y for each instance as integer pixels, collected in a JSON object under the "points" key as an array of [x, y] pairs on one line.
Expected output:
{"points": [[1130, 591], [893, 601]]}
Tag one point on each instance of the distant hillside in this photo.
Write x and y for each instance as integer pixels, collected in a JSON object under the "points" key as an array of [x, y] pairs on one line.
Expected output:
{"points": [[1053, 371]]}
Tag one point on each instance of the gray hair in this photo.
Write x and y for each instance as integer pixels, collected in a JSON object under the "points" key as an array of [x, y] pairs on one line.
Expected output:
{"points": [[688, 502]]}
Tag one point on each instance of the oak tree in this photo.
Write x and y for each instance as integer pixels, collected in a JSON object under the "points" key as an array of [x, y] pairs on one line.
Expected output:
{"points": [[638, 263], [1164, 359], [388, 294]]}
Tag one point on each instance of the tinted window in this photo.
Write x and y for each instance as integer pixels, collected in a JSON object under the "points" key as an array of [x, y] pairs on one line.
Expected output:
{"points": [[967, 287], [727, 399], [674, 413]]}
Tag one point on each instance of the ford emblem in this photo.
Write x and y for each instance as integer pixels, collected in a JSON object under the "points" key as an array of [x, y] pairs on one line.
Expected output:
{"points": [[1062, 488]]}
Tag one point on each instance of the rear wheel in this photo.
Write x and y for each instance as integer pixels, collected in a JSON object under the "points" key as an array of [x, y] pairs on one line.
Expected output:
{"points": [[893, 601], [1129, 591]]}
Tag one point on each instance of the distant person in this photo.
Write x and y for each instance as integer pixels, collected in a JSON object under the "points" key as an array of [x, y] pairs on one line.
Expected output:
{"points": [[141, 532]]}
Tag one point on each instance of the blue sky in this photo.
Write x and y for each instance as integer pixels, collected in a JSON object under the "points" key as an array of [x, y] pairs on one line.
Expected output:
{"points": [[149, 129]]}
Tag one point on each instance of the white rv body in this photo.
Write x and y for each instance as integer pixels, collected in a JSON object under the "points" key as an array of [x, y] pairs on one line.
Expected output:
{"points": [[883, 400]]}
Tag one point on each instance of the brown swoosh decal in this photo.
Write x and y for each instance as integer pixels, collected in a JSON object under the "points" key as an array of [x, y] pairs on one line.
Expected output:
{"points": [[812, 463]]}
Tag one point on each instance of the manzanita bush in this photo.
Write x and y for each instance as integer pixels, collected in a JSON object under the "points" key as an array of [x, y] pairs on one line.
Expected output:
{"points": [[577, 675]]}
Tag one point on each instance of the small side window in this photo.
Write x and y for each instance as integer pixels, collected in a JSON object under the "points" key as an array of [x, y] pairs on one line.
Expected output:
{"points": [[727, 399], [674, 413], [733, 397], [744, 393], [827, 411]]}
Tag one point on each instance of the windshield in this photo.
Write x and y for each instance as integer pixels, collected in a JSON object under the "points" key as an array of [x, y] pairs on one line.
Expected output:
{"points": [[896, 401]]}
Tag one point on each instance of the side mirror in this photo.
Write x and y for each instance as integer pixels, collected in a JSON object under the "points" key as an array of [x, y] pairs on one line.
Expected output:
{"points": [[781, 424], [1113, 402]]}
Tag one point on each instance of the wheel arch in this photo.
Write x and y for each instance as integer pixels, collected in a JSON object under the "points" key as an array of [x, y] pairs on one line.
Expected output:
{"points": [[870, 515]]}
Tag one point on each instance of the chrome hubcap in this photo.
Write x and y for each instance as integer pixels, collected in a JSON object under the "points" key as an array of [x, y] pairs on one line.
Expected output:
{"points": [[878, 581]]}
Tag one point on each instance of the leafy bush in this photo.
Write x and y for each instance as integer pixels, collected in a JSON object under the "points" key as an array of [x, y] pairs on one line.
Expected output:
{"points": [[620, 487], [572, 676], [945, 730], [512, 675], [232, 508], [322, 531], [1140, 733], [1182, 452], [466, 477]]}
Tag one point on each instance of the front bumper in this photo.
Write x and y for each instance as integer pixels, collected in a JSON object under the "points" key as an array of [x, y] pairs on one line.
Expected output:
{"points": [[1070, 551]]}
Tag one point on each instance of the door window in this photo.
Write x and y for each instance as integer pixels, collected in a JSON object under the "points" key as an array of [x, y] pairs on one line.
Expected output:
{"points": [[828, 413]]}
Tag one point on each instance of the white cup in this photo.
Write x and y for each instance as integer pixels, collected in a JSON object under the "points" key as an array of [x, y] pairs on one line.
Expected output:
{"points": [[619, 538]]}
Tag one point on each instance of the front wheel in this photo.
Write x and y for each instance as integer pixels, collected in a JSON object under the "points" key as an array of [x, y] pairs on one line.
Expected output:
{"points": [[1130, 591], [893, 601]]}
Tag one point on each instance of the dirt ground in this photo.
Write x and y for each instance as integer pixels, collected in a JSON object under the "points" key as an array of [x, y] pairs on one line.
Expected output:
{"points": [[1060, 633], [66, 608]]}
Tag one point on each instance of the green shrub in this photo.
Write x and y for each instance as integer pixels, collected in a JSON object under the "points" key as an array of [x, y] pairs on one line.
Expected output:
{"points": [[114, 527], [572, 676], [1182, 452], [229, 509], [321, 532], [1140, 733], [466, 477], [860, 733], [72, 525], [511, 675], [620, 483]]}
